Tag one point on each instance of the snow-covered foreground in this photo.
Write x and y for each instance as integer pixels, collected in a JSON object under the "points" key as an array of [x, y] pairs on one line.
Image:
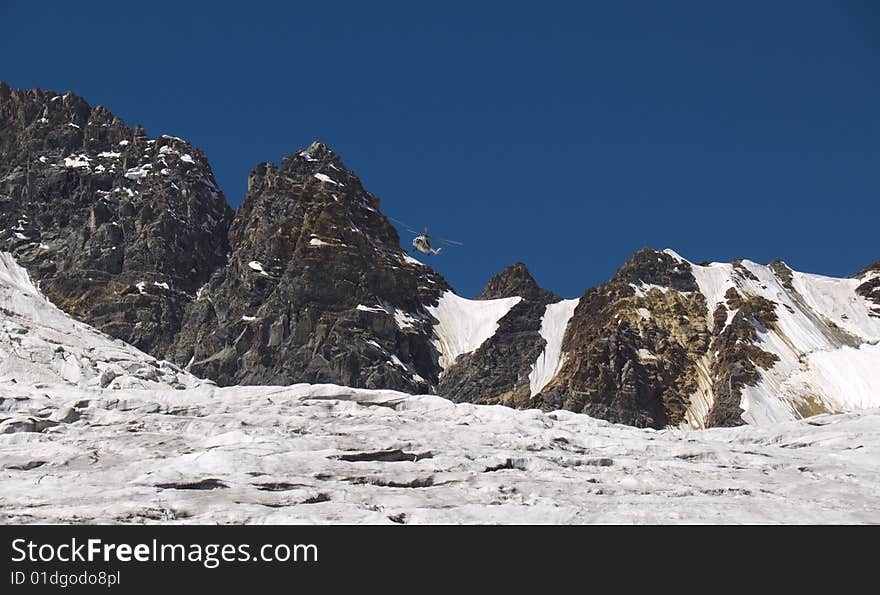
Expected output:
{"points": [[328, 454], [93, 430]]}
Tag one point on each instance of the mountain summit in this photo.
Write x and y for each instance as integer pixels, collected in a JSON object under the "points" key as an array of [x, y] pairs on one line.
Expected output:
{"points": [[515, 280]]}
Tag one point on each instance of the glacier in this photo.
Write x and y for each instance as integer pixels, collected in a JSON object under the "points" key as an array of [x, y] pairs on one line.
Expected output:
{"points": [[94, 431]]}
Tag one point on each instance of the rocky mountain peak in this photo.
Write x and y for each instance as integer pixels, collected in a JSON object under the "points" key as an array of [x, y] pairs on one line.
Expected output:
{"points": [[318, 150], [655, 267], [316, 158], [316, 288], [311, 200], [515, 280], [119, 229]]}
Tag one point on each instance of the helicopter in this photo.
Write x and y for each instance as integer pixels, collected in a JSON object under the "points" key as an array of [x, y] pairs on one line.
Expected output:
{"points": [[422, 243]]}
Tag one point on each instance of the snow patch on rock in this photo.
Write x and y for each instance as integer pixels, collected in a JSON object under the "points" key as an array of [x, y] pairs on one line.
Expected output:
{"points": [[553, 325], [463, 325]]}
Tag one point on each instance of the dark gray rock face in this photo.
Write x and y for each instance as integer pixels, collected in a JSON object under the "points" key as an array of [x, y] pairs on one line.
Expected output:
{"points": [[119, 230], [516, 280], [498, 371], [316, 288]]}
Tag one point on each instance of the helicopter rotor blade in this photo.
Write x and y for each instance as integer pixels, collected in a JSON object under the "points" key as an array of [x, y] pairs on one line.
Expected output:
{"points": [[404, 225], [453, 242], [424, 233]]}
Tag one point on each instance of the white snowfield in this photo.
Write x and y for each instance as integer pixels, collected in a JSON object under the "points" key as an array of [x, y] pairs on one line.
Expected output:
{"points": [[40, 344], [330, 454], [553, 325], [156, 445], [463, 325], [827, 342]]}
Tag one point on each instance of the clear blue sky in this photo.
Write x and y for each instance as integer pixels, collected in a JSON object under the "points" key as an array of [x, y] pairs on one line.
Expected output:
{"points": [[565, 135]]}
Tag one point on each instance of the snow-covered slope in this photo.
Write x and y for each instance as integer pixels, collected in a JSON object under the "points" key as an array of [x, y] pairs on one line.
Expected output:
{"points": [[463, 325], [330, 454], [824, 336], [553, 325], [40, 344], [136, 450]]}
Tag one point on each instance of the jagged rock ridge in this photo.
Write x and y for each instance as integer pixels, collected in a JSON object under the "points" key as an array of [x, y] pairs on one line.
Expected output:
{"points": [[316, 288], [718, 345], [308, 283]]}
